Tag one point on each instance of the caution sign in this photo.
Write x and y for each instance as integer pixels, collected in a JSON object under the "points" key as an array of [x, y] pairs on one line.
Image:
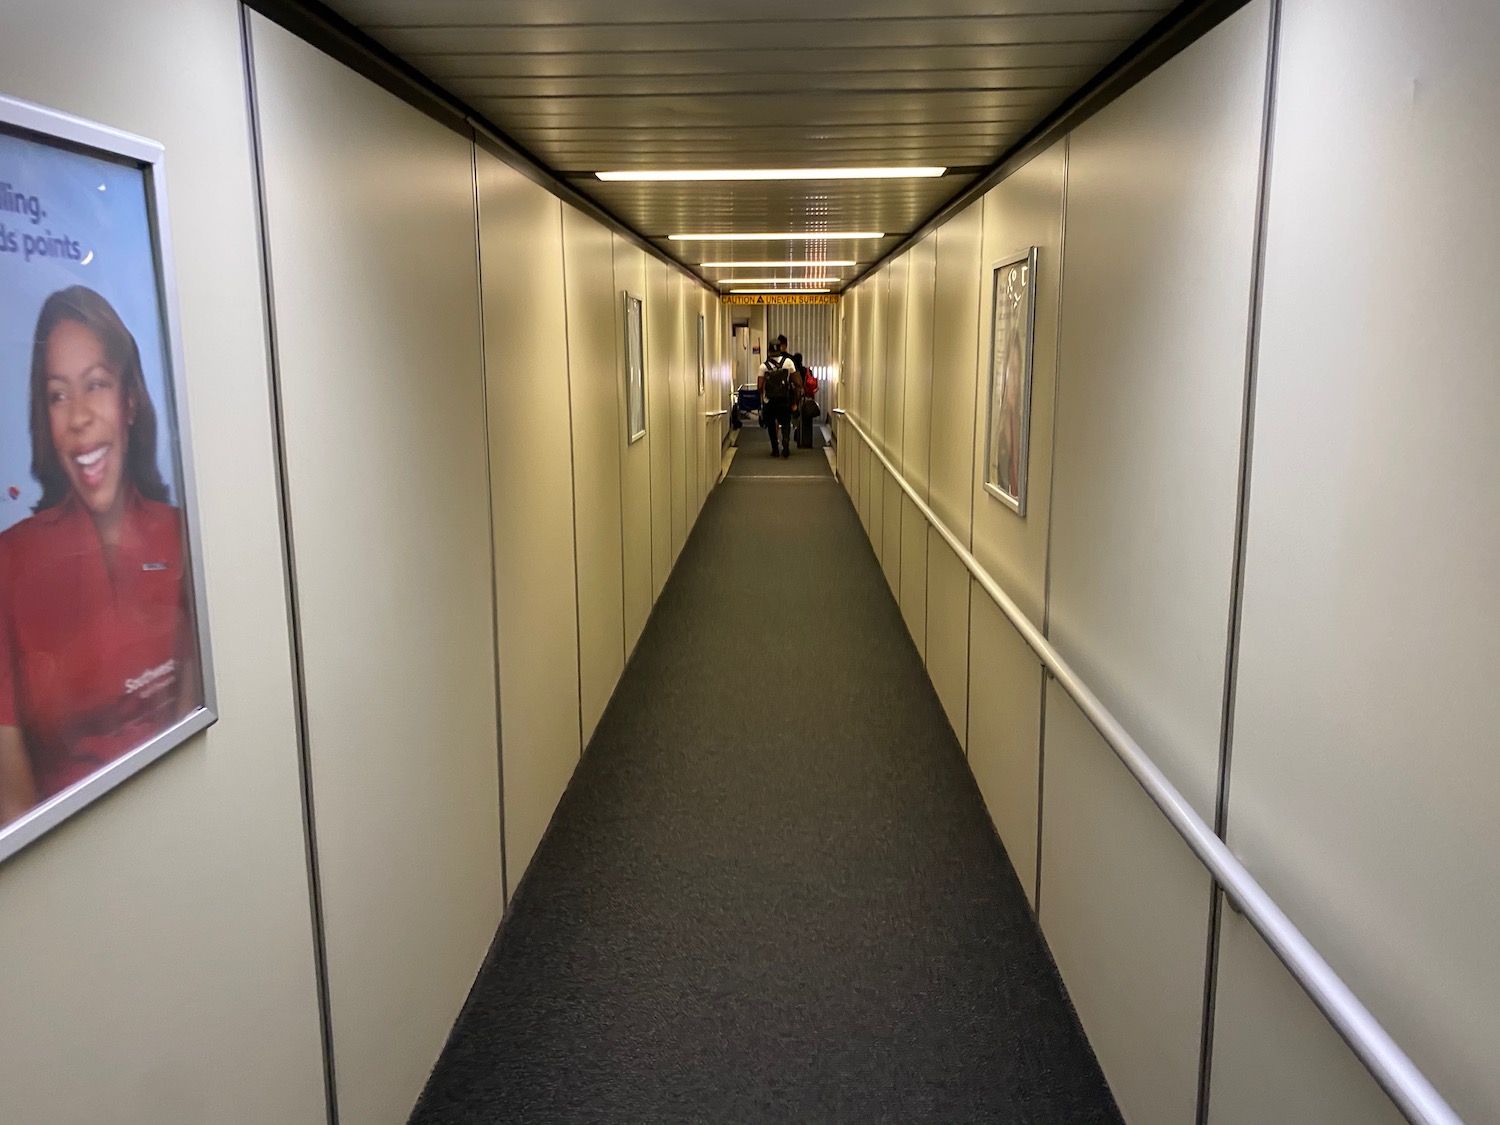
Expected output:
{"points": [[780, 298]]}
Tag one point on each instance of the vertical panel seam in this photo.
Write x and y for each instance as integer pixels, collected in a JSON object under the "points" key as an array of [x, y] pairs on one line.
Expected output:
{"points": [[931, 413], [622, 434], [1237, 571], [646, 398], [489, 485], [1057, 369], [289, 571], [969, 536], [562, 234]]}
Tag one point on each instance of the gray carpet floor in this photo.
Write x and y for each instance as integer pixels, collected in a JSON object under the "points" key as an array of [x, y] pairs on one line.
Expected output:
{"points": [[771, 893], [753, 458]]}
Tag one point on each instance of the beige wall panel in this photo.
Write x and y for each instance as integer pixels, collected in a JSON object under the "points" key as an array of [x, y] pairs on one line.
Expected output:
{"points": [[700, 400], [955, 351], [852, 369], [890, 545], [1276, 1059], [1026, 210], [893, 411], [531, 482], [156, 952], [880, 307], [914, 532], [716, 429], [1124, 905], [677, 296], [1365, 780], [873, 418], [1005, 709], [1161, 222], [869, 466], [916, 430], [588, 268], [948, 632], [893, 419], [370, 214], [635, 458], [659, 419], [692, 415]]}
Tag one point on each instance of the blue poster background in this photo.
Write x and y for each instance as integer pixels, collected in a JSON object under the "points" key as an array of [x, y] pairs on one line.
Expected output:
{"points": [[50, 197]]}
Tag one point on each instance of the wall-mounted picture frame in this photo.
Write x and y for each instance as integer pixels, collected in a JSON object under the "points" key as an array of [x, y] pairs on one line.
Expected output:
{"points": [[1008, 414], [105, 662], [635, 367], [702, 353]]}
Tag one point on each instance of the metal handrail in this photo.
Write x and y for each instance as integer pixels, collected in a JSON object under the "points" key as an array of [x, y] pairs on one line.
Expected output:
{"points": [[1406, 1086], [715, 413]]}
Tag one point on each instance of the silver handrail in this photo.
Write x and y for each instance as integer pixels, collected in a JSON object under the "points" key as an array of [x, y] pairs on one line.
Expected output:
{"points": [[1406, 1086], [714, 413]]}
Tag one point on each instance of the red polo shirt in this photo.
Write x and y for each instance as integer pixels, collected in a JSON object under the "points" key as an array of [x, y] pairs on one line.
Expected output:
{"points": [[92, 656]]}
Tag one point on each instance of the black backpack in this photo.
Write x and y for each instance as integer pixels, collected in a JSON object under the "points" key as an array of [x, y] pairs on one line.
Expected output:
{"points": [[778, 379]]}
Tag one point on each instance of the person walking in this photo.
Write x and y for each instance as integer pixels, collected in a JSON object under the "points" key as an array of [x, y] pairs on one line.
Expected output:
{"points": [[778, 391]]}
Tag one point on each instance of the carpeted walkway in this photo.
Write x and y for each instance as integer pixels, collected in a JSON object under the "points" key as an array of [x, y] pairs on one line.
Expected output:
{"points": [[735, 920]]}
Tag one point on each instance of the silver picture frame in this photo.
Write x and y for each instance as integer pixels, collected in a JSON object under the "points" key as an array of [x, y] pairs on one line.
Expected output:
{"points": [[702, 354], [44, 126], [1007, 430], [635, 367]]}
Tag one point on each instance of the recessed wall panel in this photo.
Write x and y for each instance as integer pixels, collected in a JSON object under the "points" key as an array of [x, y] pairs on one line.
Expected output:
{"points": [[955, 352], [916, 432], [948, 594], [1156, 299], [588, 269], [1005, 706], [893, 418], [531, 481], [659, 416], [1124, 906], [1364, 783], [1025, 210], [370, 218], [635, 457], [1276, 1058], [677, 299]]}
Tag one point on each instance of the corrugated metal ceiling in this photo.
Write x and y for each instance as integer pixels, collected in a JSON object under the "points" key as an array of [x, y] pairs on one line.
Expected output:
{"points": [[589, 85]]}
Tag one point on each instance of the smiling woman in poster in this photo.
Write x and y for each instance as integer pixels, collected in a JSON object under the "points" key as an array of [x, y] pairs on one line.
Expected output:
{"points": [[95, 630]]}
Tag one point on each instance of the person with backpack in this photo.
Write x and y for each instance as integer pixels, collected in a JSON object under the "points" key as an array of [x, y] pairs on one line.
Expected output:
{"points": [[807, 409], [778, 383]]}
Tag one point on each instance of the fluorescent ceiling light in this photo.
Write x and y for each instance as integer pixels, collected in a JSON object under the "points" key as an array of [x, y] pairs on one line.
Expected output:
{"points": [[776, 174], [778, 265], [779, 236], [780, 290], [777, 280]]}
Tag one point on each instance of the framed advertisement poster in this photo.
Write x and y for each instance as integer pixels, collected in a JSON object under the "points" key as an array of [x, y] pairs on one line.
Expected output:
{"points": [[104, 652], [635, 368], [1008, 420], [702, 353]]}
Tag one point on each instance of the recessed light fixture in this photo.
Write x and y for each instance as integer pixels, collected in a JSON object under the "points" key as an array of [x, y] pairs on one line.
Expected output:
{"points": [[778, 265], [779, 236], [775, 174], [777, 280], [780, 290]]}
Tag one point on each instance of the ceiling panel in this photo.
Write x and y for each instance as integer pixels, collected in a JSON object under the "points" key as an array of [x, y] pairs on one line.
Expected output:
{"points": [[826, 60], [768, 38], [809, 83], [569, 12], [587, 85]]}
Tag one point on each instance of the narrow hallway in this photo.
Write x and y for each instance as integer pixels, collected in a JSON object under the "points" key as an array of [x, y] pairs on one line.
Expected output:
{"points": [[748, 910]]}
